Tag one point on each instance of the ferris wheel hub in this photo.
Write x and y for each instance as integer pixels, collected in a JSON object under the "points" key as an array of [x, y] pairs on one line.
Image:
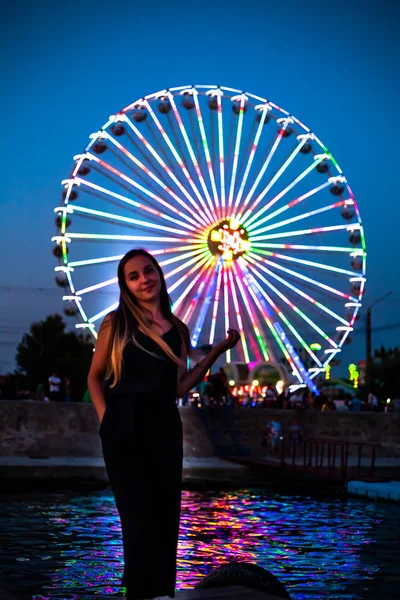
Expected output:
{"points": [[229, 239]]}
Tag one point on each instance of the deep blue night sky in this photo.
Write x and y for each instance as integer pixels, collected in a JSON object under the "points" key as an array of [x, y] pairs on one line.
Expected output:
{"points": [[68, 66]]}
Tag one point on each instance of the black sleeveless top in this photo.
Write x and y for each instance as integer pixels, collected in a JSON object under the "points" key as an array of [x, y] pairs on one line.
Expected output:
{"points": [[143, 373]]}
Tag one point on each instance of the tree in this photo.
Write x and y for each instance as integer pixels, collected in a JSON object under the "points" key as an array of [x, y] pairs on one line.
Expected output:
{"points": [[48, 348], [385, 372]]}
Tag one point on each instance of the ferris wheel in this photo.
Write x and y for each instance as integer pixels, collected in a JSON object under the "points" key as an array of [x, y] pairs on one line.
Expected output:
{"points": [[246, 210]]}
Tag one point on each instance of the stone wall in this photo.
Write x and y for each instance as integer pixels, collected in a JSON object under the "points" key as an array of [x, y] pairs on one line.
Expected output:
{"points": [[55, 429]]}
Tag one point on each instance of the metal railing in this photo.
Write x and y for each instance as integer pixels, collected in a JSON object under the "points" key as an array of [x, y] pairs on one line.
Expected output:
{"points": [[327, 457]]}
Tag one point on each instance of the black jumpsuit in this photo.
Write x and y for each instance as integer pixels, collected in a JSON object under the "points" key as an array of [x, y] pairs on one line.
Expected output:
{"points": [[141, 435]]}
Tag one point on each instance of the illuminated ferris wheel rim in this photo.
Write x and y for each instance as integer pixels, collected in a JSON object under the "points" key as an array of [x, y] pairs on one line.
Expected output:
{"points": [[204, 208]]}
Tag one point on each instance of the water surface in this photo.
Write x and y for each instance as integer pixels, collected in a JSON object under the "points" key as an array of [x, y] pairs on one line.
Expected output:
{"points": [[67, 545]]}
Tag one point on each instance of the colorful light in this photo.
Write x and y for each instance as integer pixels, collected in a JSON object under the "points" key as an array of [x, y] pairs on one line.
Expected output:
{"points": [[217, 184]]}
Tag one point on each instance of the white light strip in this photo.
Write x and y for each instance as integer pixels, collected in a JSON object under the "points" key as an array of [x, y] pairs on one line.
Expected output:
{"points": [[300, 232], [293, 307], [112, 217], [161, 162], [260, 175], [236, 150], [206, 150], [299, 276], [104, 312], [128, 238], [180, 162], [308, 263], [254, 147], [192, 156], [141, 206], [97, 286], [256, 215], [221, 154], [95, 261], [139, 164]]}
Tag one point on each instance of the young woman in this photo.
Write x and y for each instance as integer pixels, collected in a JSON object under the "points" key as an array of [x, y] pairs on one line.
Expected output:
{"points": [[137, 371]]}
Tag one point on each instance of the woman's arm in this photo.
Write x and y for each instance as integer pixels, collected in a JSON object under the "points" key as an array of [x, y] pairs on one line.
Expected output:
{"points": [[98, 368], [189, 379]]}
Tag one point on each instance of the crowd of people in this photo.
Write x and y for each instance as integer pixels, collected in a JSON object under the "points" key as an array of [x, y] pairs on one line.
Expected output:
{"points": [[215, 390], [54, 389], [305, 400]]}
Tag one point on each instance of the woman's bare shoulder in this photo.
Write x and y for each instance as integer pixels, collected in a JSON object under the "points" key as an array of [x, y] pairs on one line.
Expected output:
{"points": [[107, 321]]}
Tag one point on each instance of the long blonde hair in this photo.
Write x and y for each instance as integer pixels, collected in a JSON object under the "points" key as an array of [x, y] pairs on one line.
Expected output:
{"points": [[128, 318]]}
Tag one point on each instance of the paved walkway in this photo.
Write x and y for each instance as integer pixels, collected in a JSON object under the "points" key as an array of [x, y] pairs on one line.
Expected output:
{"points": [[98, 462], [195, 470]]}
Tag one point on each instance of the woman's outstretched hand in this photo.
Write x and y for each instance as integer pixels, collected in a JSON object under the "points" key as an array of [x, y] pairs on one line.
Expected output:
{"points": [[229, 342]]}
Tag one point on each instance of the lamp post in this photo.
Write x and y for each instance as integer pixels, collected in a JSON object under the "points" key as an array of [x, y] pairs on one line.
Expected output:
{"points": [[368, 375]]}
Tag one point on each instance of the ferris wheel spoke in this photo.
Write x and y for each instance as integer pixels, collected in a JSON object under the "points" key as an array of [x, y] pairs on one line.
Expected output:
{"points": [[127, 238], [154, 128], [139, 172], [327, 288], [298, 368], [180, 257], [144, 207], [226, 308], [252, 317], [203, 253], [175, 249], [104, 312], [221, 154], [293, 203], [215, 305], [289, 326], [204, 306], [198, 265], [257, 293], [302, 232], [197, 298], [307, 263], [151, 175], [179, 160], [192, 155], [206, 152], [250, 158], [188, 288], [238, 317], [316, 328], [320, 305], [249, 219], [140, 192], [149, 202], [136, 185], [144, 148], [303, 216], [278, 139], [245, 155], [96, 286], [295, 247], [163, 164], [236, 151], [94, 261], [129, 221]]}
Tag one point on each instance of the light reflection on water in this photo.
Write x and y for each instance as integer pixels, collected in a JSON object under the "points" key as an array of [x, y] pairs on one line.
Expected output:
{"points": [[65, 545]]}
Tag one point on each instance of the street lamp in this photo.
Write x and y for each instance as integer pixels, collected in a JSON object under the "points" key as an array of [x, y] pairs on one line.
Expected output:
{"points": [[368, 375]]}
